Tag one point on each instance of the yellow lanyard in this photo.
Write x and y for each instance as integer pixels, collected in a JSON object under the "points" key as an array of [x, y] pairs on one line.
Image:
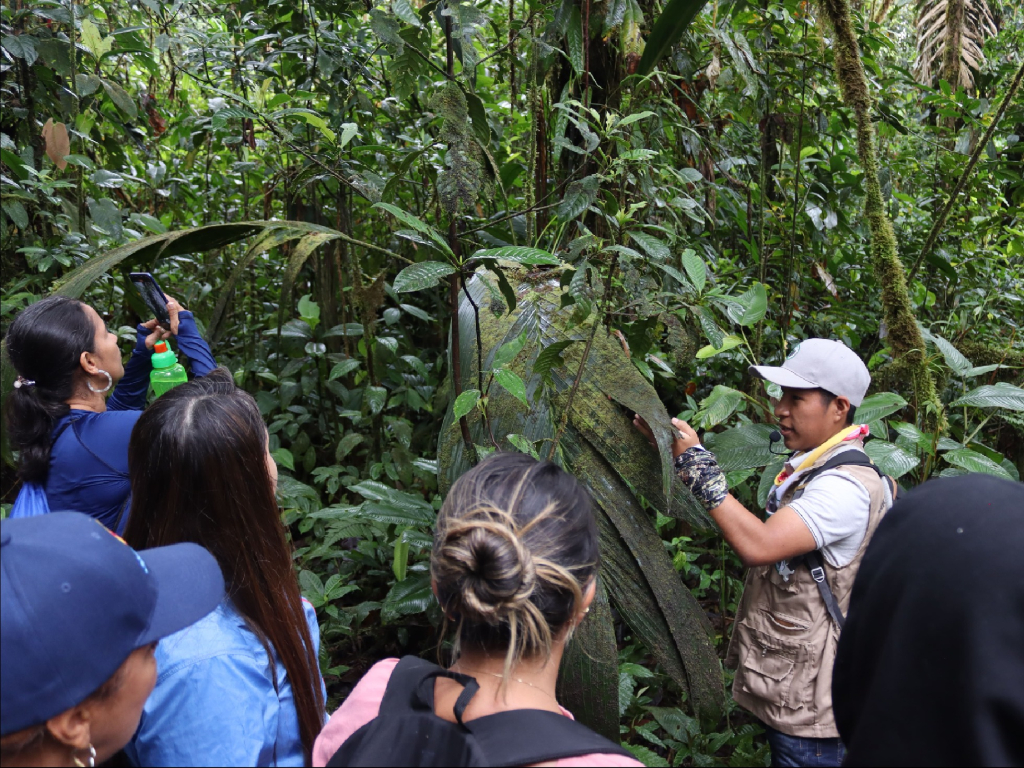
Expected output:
{"points": [[818, 452]]}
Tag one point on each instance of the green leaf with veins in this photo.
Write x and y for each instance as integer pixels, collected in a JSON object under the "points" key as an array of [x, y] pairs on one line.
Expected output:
{"points": [[417, 277], [512, 384], [465, 402]]}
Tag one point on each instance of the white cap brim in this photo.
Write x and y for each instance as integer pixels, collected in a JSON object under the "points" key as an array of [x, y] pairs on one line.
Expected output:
{"points": [[781, 376]]}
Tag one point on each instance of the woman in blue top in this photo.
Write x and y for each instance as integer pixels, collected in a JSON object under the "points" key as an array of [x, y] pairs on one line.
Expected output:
{"points": [[73, 440], [241, 686]]}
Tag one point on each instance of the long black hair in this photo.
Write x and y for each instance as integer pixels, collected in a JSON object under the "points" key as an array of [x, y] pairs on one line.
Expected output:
{"points": [[197, 460], [45, 344]]}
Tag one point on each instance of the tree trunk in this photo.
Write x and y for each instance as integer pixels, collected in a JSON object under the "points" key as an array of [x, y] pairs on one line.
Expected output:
{"points": [[955, 10], [904, 337]]}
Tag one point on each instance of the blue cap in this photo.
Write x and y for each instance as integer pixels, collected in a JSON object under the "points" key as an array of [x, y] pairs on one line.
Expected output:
{"points": [[76, 601]]}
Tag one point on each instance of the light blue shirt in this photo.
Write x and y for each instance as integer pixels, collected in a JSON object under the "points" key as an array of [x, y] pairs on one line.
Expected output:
{"points": [[215, 701]]}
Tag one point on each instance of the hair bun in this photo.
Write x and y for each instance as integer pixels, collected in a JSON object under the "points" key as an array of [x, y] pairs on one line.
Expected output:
{"points": [[494, 572]]}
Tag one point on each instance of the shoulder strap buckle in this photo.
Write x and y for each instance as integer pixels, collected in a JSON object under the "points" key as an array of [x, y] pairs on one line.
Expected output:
{"points": [[818, 574]]}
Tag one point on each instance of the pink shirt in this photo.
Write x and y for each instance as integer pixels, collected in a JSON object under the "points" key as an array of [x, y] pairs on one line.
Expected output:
{"points": [[363, 704]]}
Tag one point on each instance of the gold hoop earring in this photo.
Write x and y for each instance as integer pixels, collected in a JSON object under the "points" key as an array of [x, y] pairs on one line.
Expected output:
{"points": [[90, 761], [110, 383]]}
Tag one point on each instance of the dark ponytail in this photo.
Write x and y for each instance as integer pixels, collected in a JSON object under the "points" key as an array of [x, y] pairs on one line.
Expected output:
{"points": [[45, 344]]}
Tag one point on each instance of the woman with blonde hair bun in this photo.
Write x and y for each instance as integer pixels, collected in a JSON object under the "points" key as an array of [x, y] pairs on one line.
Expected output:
{"points": [[514, 568]]}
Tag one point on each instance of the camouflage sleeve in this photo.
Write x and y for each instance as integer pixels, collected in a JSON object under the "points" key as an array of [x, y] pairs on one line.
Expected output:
{"points": [[699, 471]]}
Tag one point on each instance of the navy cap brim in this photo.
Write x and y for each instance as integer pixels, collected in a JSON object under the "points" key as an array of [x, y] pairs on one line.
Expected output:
{"points": [[189, 585], [781, 376]]}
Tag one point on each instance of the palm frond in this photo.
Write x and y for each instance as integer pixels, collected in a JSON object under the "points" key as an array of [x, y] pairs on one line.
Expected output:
{"points": [[933, 35]]}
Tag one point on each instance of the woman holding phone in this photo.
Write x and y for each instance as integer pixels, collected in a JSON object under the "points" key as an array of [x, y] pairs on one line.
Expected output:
{"points": [[71, 437]]}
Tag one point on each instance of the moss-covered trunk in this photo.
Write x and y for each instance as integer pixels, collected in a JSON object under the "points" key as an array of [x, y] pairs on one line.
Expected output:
{"points": [[904, 337], [954, 43]]}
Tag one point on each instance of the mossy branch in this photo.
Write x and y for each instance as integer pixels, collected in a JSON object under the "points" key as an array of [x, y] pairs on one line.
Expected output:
{"points": [[897, 310], [940, 220]]}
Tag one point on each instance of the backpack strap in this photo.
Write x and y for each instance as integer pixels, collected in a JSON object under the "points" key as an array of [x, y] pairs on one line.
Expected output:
{"points": [[853, 457], [816, 564], [815, 561], [551, 737], [411, 687]]}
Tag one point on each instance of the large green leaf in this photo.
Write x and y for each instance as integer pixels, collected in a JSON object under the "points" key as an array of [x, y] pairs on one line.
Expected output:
{"points": [[343, 368], [588, 675], [374, 398], [667, 31], [959, 364], [695, 269], [465, 402], [973, 461], [743, 447], [1001, 395], [551, 357], [423, 228], [755, 303], [912, 434], [579, 196], [719, 406], [508, 352], [426, 274], [648, 592], [890, 458], [512, 384], [654, 247], [730, 342], [601, 448], [767, 481], [879, 406], [574, 36], [519, 254], [407, 597], [149, 249]]}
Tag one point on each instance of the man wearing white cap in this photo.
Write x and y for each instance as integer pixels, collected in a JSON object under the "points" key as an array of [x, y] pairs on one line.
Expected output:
{"points": [[803, 558]]}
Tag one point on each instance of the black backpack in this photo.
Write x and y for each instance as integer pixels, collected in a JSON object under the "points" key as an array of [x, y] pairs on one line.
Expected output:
{"points": [[407, 732]]}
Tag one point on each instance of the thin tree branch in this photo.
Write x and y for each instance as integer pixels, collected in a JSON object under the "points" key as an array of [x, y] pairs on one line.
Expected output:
{"points": [[940, 220]]}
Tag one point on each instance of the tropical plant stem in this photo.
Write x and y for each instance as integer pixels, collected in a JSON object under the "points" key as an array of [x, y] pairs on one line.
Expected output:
{"points": [[454, 279], [904, 336], [940, 220]]}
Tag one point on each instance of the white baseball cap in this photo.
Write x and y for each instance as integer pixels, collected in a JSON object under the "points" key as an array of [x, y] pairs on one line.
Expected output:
{"points": [[820, 363]]}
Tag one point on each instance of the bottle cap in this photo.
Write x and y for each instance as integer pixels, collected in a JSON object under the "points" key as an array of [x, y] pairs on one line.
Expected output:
{"points": [[163, 357]]}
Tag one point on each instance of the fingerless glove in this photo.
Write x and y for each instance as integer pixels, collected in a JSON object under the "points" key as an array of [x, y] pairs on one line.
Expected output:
{"points": [[699, 471]]}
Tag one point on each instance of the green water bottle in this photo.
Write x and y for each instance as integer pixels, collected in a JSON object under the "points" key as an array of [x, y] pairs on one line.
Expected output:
{"points": [[167, 371]]}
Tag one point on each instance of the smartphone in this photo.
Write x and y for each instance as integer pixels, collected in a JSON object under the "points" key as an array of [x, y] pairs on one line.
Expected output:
{"points": [[152, 295]]}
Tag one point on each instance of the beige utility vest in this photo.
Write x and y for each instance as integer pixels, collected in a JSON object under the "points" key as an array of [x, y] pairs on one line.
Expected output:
{"points": [[784, 642]]}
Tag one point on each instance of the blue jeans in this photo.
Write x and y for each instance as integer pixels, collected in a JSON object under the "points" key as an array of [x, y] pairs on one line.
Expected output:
{"points": [[803, 751]]}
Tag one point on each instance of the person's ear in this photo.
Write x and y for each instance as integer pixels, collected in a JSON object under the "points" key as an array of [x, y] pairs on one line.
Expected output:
{"points": [[72, 727], [842, 408], [88, 364], [589, 593]]}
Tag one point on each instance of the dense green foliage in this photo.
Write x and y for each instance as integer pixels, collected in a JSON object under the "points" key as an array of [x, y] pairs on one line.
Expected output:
{"points": [[698, 204]]}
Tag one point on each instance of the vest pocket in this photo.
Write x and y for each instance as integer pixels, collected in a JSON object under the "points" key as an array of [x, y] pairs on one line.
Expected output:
{"points": [[770, 668]]}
